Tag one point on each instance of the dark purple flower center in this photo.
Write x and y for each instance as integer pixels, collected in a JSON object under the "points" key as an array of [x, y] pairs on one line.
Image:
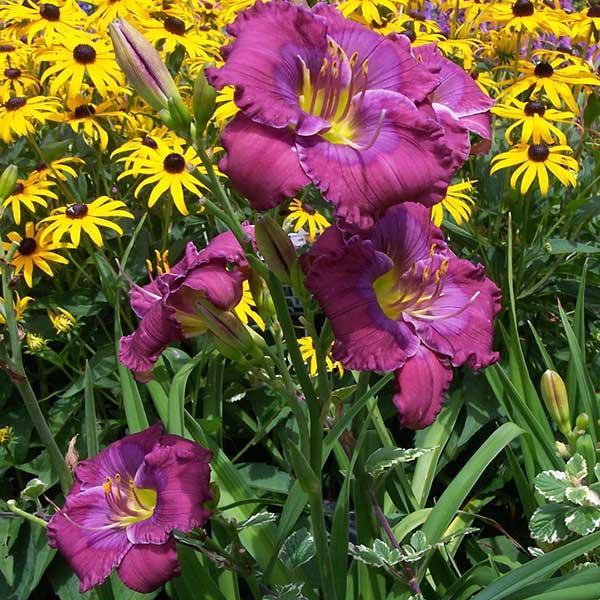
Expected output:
{"points": [[538, 152], [174, 163], [474, 75], [148, 141], [594, 11], [15, 103], [535, 107], [27, 246], [6, 48], [84, 110], [174, 25], [307, 208], [12, 73], [76, 211], [19, 188], [523, 8], [50, 12], [84, 54], [42, 166], [543, 69]]}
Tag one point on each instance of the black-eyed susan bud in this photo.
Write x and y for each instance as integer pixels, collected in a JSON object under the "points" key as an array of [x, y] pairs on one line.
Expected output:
{"points": [[203, 101], [554, 394], [146, 72], [231, 337], [6, 436], [276, 247], [8, 181]]}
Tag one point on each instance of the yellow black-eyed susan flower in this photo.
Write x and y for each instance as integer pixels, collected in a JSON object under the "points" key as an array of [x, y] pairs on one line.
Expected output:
{"points": [[457, 202], [62, 320], [29, 192], [15, 81], [303, 214], [309, 355], [35, 342], [89, 218], [59, 168], [535, 161], [245, 310], [20, 306], [108, 10], [20, 115]]}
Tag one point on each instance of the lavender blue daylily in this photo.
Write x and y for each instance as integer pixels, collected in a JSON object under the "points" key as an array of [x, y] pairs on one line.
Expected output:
{"points": [[399, 300], [124, 505], [170, 307], [324, 100]]}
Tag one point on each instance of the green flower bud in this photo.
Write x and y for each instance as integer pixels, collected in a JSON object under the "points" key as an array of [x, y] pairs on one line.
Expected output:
{"points": [[554, 394], [562, 450], [276, 247], [8, 180], [203, 101], [582, 422]]}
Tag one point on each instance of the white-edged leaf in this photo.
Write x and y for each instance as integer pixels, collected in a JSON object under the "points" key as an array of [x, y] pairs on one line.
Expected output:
{"points": [[291, 591], [577, 467], [535, 552], [385, 458], [260, 518], [298, 549], [366, 555], [552, 485], [583, 520], [547, 523], [382, 550], [419, 542], [583, 496], [597, 471]]}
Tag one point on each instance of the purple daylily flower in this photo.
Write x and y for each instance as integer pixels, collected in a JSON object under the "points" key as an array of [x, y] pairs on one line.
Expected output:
{"points": [[325, 100], [170, 307], [124, 505], [458, 102], [399, 300]]}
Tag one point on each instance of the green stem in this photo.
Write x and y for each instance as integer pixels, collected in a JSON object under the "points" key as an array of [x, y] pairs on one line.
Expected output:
{"points": [[12, 506]]}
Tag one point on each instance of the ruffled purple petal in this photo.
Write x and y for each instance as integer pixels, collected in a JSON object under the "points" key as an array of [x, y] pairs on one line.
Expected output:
{"points": [[462, 328], [264, 63], [456, 89], [420, 387], [123, 456], [82, 532], [409, 160], [457, 135], [178, 470], [261, 162], [392, 65], [146, 567], [406, 234], [480, 123], [226, 249], [342, 282]]}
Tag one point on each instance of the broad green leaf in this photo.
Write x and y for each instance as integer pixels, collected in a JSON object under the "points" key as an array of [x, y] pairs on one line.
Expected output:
{"points": [[547, 523], [552, 485], [195, 576], [9, 530], [583, 520], [298, 549], [175, 423], [558, 246], [386, 458]]}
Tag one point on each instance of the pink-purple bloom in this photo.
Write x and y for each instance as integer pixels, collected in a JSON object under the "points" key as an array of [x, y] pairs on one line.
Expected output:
{"points": [[125, 504], [400, 300], [171, 307], [327, 101]]}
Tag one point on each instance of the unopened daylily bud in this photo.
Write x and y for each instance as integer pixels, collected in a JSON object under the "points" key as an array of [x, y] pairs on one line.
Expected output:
{"points": [[554, 394], [146, 72], [231, 337], [276, 248], [261, 295], [8, 180], [203, 101]]}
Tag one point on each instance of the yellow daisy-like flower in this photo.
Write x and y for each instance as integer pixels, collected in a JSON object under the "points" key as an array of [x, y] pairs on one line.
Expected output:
{"points": [[6, 436], [109, 10], [457, 202], [245, 310], [20, 306], [75, 218], [553, 78], [226, 107], [535, 120], [535, 161], [51, 21], [19, 115], [58, 169], [29, 192], [486, 82], [78, 58], [368, 9], [309, 355], [33, 252], [302, 214], [17, 82], [35, 342], [13, 51], [585, 22], [85, 117], [141, 147], [231, 8], [62, 320], [170, 31], [169, 169]]}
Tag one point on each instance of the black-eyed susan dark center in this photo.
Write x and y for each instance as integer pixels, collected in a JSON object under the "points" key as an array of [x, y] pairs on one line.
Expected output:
{"points": [[84, 54], [410, 34], [522, 8], [27, 246], [543, 69], [148, 141], [12, 73], [19, 188], [538, 152], [307, 208], [594, 11], [15, 103], [50, 12], [535, 107], [174, 25], [174, 163], [84, 110], [6, 48], [76, 211]]}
